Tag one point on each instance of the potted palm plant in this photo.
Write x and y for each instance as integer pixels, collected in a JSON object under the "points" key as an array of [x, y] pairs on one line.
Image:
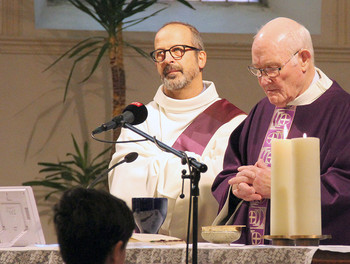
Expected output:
{"points": [[78, 170], [114, 16]]}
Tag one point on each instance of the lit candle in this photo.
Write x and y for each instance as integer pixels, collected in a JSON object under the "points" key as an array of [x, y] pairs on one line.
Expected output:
{"points": [[307, 189], [281, 181]]}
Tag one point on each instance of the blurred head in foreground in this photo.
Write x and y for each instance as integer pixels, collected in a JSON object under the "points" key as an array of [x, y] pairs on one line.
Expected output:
{"points": [[92, 227]]}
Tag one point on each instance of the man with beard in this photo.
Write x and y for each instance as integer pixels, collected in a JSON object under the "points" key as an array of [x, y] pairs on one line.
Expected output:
{"points": [[301, 99], [188, 115]]}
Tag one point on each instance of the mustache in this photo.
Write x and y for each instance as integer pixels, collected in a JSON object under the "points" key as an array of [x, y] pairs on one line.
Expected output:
{"points": [[169, 68]]}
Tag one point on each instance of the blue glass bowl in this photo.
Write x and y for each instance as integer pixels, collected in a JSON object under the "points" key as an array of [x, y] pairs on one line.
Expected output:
{"points": [[149, 213]]}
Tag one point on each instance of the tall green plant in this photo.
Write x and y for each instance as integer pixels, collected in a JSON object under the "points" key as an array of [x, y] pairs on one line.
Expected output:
{"points": [[114, 16], [79, 170]]}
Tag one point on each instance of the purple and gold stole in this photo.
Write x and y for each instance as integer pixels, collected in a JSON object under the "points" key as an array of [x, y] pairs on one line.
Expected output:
{"points": [[197, 135], [282, 118]]}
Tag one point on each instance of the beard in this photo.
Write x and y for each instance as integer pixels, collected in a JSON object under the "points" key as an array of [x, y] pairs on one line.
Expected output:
{"points": [[178, 82]]}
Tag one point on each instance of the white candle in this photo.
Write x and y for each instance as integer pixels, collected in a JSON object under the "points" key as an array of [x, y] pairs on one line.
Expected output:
{"points": [[281, 186], [307, 188]]}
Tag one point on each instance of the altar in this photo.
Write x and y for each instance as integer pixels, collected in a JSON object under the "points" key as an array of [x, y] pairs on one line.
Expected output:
{"points": [[147, 253]]}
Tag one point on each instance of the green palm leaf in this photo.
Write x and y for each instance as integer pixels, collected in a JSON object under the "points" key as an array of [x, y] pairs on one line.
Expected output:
{"points": [[68, 51], [77, 171], [97, 62], [112, 15]]}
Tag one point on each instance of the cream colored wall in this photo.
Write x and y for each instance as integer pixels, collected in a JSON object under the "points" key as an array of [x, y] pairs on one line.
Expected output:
{"points": [[37, 126]]}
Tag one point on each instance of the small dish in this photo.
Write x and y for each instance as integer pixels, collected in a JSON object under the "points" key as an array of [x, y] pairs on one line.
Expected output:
{"points": [[224, 234]]}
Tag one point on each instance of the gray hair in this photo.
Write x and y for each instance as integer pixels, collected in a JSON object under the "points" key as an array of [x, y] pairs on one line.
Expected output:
{"points": [[197, 40]]}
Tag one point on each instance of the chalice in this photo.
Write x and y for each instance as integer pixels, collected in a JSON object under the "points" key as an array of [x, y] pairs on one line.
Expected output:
{"points": [[149, 213]]}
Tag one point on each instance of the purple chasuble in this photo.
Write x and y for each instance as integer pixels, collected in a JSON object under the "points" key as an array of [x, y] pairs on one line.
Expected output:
{"points": [[281, 120], [327, 118], [197, 135]]}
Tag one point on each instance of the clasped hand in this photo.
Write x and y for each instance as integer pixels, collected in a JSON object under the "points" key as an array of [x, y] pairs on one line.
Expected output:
{"points": [[252, 182]]}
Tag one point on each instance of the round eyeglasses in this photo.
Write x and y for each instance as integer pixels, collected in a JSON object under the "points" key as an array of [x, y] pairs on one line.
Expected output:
{"points": [[177, 52], [271, 72]]}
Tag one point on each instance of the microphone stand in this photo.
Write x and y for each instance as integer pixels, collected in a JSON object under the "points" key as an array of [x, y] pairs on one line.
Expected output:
{"points": [[99, 177], [196, 169]]}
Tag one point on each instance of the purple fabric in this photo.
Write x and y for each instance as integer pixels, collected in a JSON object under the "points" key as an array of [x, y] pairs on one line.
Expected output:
{"points": [[328, 118], [197, 135], [282, 119], [257, 221]]}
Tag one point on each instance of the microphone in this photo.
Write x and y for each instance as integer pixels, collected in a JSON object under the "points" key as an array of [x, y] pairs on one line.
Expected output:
{"points": [[134, 114], [128, 158]]}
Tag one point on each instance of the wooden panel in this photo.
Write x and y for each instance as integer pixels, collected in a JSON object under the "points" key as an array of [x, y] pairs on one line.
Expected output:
{"points": [[11, 16]]}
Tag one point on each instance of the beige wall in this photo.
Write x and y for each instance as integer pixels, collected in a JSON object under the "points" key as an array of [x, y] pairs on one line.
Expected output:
{"points": [[37, 126]]}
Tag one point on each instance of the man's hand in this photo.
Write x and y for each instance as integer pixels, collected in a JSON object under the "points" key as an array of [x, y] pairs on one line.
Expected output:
{"points": [[262, 182], [242, 184], [252, 182]]}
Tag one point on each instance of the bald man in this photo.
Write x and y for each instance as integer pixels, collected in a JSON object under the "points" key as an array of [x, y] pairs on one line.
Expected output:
{"points": [[283, 62], [188, 115]]}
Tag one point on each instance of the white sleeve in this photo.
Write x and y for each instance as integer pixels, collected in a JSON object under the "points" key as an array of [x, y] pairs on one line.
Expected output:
{"points": [[156, 173]]}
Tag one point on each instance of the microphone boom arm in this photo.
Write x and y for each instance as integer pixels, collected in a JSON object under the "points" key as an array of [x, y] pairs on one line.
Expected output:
{"points": [[192, 162]]}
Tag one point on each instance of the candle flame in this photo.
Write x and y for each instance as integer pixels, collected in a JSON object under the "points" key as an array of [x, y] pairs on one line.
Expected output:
{"points": [[304, 135], [285, 132]]}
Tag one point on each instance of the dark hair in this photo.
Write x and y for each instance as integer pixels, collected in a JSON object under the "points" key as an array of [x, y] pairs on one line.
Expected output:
{"points": [[89, 223]]}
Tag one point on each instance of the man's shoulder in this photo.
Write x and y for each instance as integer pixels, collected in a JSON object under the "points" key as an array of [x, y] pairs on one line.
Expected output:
{"points": [[224, 109], [152, 106], [336, 95], [336, 88], [261, 106], [226, 103]]}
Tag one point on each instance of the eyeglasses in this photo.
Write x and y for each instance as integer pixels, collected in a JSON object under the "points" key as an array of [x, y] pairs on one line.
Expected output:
{"points": [[177, 52], [270, 71]]}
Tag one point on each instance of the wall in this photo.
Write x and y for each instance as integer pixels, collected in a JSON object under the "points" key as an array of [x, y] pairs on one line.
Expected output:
{"points": [[37, 126], [235, 18]]}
